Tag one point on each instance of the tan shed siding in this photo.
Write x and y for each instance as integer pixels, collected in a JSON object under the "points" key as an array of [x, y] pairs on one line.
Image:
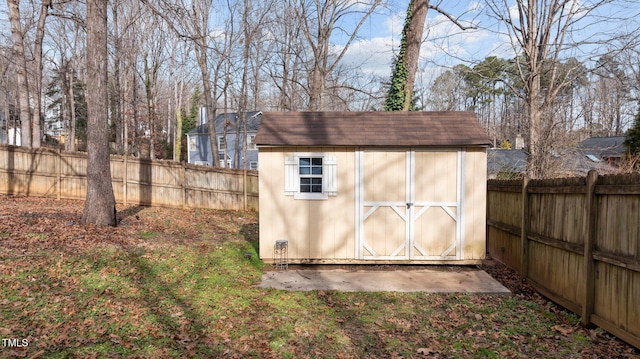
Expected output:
{"points": [[436, 177], [475, 199], [324, 229], [385, 170]]}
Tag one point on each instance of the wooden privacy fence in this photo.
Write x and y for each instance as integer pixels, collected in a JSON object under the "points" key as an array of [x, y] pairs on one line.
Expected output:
{"points": [[51, 173], [577, 241]]}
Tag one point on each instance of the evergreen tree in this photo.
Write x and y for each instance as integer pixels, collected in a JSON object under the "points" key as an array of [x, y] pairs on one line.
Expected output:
{"points": [[191, 121], [56, 91], [632, 142]]}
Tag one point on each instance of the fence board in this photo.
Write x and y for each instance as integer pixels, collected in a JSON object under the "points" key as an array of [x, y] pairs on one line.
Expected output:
{"points": [[582, 244], [44, 172]]}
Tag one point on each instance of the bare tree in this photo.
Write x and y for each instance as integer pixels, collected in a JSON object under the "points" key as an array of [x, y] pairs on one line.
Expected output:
{"points": [[447, 92], [286, 52], [179, 74], [65, 42], [99, 207], [21, 71], [612, 93], [542, 32], [29, 89], [118, 116], [190, 20], [152, 60], [319, 19], [37, 83]]}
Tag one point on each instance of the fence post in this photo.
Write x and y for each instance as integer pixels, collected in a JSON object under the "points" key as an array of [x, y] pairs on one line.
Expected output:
{"points": [[59, 174], [589, 263], [524, 229]]}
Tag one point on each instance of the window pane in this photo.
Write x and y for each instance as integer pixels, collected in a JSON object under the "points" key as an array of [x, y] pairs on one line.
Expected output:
{"points": [[316, 185], [305, 185], [305, 170], [316, 170], [316, 161], [305, 161]]}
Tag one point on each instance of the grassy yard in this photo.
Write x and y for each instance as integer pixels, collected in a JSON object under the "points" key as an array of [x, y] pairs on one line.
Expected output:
{"points": [[179, 283]]}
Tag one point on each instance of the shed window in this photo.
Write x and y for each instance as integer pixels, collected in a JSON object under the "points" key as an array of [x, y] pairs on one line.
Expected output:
{"points": [[310, 169], [310, 176]]}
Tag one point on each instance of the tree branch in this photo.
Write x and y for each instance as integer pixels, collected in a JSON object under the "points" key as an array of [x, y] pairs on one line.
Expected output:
{"points": [[451, 18]]}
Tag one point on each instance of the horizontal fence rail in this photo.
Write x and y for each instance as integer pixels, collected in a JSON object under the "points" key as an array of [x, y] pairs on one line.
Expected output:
{"points": [[51, 173], [577, 241]]}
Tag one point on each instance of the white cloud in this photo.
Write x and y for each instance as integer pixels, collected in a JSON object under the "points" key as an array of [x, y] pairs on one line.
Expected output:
{"points": [[445, 44]]}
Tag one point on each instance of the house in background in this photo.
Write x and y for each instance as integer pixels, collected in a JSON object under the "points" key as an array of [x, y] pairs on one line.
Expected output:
{"points": [[603, 154], [199, 148], [506, 164], [607, 149], [373, 187], [9, 129]]}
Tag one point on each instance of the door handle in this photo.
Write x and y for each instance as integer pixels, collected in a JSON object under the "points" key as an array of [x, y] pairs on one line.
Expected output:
{"points": [[409, 205]]}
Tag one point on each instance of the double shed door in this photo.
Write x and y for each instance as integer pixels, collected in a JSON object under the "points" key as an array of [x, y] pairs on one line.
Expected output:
{"points": [[409, 205]]}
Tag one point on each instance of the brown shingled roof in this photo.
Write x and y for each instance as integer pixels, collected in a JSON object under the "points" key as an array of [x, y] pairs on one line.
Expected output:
{"points": [[445, 128]]}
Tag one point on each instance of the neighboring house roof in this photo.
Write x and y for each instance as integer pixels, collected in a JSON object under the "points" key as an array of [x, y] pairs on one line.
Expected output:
{"points": [[501, 160], [603, 147], [371, 129], [230, 119]]}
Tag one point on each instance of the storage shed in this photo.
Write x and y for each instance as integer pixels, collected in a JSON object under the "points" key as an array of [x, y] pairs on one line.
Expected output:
{"points": [[373, 187]]}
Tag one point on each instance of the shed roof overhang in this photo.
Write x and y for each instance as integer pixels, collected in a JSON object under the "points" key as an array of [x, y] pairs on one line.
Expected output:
{"points": [[371, 129]]}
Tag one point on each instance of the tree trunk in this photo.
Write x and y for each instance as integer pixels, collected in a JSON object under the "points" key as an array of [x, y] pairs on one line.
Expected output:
{"points": [[21, 72], [415, 29], [37, 83], [534, 56], [135, 141], [148, 86], [177, 141], [241, 120], [400, 95], [201, 52], [100, 203], [71, 146], [117, 86]]}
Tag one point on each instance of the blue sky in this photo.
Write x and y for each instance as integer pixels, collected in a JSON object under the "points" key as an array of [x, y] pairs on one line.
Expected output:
{"points": [[447, 45]]}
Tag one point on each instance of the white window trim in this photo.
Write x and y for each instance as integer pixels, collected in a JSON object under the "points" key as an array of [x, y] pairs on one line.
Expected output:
{"points": [[222, 143], [251, 145], [292, 176]]}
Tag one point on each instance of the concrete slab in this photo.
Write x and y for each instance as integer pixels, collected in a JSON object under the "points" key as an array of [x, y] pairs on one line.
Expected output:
{"points": [[441, 279]]}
